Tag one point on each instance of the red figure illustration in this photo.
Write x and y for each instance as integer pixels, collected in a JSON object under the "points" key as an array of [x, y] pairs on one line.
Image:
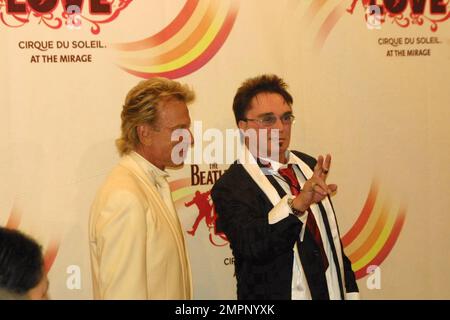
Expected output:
{"points": [[207, 211], [201, 200], [219, 234]]}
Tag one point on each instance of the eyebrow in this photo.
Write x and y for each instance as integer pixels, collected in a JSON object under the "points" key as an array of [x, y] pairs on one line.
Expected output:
{"points": [[265, 114], [272, 114]]}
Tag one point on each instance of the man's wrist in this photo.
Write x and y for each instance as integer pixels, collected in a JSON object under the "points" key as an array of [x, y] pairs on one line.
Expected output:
{"points": [[295, 211]]}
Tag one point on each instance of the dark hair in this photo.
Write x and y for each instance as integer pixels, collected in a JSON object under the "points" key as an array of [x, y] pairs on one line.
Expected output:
{"points": [[252, 87], [21, 262]]}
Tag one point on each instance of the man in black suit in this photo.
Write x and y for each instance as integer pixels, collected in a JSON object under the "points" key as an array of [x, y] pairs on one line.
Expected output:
{"points": [[274, 206]]}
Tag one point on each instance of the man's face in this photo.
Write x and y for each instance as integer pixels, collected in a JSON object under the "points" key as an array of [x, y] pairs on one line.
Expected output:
{"points": [[264, 106], [157, 146]]}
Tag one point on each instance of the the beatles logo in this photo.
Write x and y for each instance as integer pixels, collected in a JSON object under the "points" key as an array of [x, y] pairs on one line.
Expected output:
{"points": [[403, 12], [206, 211], [56, 14]]}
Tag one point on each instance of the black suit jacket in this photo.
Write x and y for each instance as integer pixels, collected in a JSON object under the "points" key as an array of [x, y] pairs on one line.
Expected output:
{"points": [[263, 252]]}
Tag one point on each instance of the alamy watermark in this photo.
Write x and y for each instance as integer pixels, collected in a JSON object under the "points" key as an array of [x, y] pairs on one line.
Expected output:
{"points": [[373, 17], [373, 281], [215, 146], [73, 17], [73, 281]]}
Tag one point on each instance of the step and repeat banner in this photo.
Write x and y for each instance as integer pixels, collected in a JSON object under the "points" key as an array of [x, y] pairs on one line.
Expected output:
{"points": [[370, 81]]}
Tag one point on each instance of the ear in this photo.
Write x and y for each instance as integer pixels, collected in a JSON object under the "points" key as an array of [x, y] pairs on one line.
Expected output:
{"points": [[143, 132], [243, 125]]}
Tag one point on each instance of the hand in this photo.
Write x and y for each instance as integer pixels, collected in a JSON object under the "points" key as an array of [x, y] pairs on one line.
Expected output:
{"points": [[315, 189]]}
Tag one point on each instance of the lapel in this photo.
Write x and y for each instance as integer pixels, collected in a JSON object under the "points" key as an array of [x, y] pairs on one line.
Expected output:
{"points": [[324, 209], [172, 220], [151, 190], [250, 165], [155, 198]]}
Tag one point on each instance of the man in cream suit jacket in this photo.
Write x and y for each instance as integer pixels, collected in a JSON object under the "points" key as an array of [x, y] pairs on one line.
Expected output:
{"points": [[137, 246]]}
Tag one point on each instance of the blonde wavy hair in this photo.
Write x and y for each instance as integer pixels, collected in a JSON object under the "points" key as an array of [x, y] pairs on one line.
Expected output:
{"points": [[140, 107]]}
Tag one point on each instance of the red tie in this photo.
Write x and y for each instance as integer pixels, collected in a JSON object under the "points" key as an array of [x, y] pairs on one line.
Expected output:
{"points": [[289, 175]]}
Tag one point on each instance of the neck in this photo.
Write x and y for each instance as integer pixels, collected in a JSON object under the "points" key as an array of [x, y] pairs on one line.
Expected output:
{"points": [[283, 158]]}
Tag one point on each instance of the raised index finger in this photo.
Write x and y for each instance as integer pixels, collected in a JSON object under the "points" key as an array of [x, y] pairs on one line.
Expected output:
{"points": [[319, 165], [326, 164]]}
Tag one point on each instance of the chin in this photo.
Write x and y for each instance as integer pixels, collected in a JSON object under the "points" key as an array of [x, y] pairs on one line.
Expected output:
{"points": [[175, 166]]}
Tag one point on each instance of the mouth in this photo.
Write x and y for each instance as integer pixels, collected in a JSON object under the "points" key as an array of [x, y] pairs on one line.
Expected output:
{"points": [[279, 141]]}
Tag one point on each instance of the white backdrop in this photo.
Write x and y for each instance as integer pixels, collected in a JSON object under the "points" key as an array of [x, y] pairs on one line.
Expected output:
{"points": [[381, 110]]}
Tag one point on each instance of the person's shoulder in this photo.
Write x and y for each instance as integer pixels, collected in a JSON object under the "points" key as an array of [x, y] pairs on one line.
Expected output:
{"points": [[231, 177], [234, 170], [121, 179], [119, 175], [120, 192], [308, 159]]}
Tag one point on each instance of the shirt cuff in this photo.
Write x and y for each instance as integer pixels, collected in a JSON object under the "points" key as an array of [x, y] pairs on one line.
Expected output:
{"points": [[280, 211]]}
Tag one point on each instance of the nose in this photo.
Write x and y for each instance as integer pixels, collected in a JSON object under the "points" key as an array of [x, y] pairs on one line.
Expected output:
{"points": [[278, 125]]}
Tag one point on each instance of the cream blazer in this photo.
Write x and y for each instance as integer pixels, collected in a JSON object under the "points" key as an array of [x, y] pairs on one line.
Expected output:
{"points": [[137, 247]]}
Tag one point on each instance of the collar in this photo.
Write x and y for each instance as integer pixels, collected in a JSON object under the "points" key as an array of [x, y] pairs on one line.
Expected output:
{"points": [[151, 171], [275, 165]]}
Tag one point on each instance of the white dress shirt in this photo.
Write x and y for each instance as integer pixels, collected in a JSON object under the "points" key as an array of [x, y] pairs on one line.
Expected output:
{"points": [[157, 177], [300, 289]]}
